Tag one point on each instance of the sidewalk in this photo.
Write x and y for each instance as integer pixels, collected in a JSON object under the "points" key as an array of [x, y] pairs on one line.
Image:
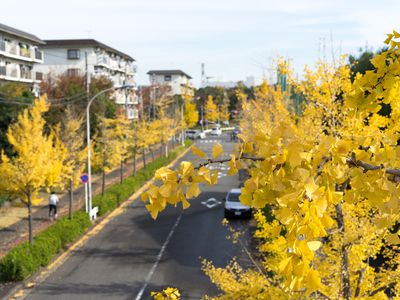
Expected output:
{"points": [[18, 232]]}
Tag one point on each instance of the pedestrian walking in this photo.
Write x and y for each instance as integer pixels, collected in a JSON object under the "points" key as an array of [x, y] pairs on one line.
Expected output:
{"points": [[53, 201]]}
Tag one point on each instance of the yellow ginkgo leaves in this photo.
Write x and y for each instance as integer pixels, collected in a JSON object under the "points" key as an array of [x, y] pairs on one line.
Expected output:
{"points": [[217, 150], [198, 152]]}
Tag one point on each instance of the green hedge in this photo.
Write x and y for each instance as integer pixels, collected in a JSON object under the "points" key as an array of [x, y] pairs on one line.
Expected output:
{"points": [[122, 191], [23, 260]]}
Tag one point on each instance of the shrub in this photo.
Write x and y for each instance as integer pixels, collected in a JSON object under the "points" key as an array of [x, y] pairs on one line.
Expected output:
{"points": [[25, 259]]}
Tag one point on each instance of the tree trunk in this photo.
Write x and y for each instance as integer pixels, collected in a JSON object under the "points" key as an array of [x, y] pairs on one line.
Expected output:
{"points": [[144, 159], [103, 182], [344, 255], [71, 199], [30, 218], [121, 173], [134, 162], [152, 153]]}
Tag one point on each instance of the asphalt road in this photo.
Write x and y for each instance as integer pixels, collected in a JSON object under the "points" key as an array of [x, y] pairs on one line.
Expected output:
{"points": [[134, 255]]}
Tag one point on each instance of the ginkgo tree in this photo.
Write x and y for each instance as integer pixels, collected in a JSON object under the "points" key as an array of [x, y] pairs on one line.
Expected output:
{"points": [[111, 146], [72, 137], [329, 177], [38, 160], [211, 110]]}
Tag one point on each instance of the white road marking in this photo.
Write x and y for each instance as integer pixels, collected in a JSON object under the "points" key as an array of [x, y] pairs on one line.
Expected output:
{"points": [[210, 203], [159, 256]]}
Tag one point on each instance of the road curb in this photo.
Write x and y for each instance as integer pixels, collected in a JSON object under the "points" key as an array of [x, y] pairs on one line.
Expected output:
{"points": [[23, 289]]}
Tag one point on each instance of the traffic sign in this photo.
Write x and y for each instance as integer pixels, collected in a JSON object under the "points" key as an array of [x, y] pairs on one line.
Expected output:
{"points": [[84, 178]]}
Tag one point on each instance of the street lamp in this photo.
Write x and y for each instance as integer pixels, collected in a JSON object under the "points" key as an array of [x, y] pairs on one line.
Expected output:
{"points": [[88, 140]]}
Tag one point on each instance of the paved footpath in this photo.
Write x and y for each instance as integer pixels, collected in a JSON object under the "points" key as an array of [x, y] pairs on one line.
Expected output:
{"points": [[18, 232]]}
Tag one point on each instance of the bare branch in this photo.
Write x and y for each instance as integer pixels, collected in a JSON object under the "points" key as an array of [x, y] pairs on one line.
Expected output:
{"points": [[220, 161], [368, 167]]}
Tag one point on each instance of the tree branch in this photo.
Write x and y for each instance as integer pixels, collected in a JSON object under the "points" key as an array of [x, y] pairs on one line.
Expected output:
{"points": [[368, 167], [358, 287], [220, 161]]}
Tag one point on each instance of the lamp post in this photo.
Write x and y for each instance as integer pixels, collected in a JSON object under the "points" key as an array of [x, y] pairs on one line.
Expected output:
{"points": [[88, 141], [182, 122]]}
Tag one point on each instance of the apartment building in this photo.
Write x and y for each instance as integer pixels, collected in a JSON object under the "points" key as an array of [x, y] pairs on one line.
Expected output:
{"points": [[19, 54], [177, 81], [80, 57]]}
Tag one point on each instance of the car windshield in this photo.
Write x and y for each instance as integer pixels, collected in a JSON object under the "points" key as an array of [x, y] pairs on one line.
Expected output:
{"points": [[233, 197], [190, 131], [215, 129]]}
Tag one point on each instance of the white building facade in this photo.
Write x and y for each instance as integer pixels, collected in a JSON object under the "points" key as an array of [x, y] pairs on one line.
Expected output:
{"points": [[88, 57], [178, 81], [19, 54]]}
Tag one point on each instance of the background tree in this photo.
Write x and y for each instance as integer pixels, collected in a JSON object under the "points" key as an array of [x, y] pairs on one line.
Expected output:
{"points": [[108, 150], [210, 110], [163, 129], [140, 138], [14, 98], [73, 138], [37, 161], [69, 92], [191, 116], [224, 112]]}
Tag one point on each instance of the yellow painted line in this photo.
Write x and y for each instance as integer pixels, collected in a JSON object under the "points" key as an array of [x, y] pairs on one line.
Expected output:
{"points": [[20, 294]]}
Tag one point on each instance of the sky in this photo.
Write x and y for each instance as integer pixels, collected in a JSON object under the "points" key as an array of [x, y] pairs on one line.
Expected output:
{"points": [[234, 38]]}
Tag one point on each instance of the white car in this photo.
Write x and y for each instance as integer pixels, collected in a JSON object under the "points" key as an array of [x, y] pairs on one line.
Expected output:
{"points": [[233, 206], [202, 135], [216, 131], [195, 134]]}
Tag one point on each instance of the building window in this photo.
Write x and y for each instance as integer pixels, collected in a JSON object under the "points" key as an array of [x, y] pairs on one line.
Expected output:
{"points": [[73, 72], [167, 78], [74, 54]]}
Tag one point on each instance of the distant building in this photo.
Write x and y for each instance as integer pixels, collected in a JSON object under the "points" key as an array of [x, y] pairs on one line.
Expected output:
{"points": [[249, 82], [79, 57], [19, 53], [176, 81]]}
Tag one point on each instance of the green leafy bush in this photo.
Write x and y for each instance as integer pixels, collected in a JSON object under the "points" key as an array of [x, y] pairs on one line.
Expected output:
{"points": [[25, 259]]}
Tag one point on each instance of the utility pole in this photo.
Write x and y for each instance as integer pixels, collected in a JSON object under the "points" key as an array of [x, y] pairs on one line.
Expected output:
{"points": [[182, 130], [88, 187], [202, 118], [87, 76]]}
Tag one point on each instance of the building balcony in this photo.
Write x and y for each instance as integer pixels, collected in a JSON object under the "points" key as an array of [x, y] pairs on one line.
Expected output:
{"points": [[14, 51], [3, 71], [131, 99], [103, 60], [14, 73], [132, 113]]}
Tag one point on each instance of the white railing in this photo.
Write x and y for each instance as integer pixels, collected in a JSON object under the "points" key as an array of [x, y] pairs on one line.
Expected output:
{"points": [[16, 51], [103, 60], [132, 113]]}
